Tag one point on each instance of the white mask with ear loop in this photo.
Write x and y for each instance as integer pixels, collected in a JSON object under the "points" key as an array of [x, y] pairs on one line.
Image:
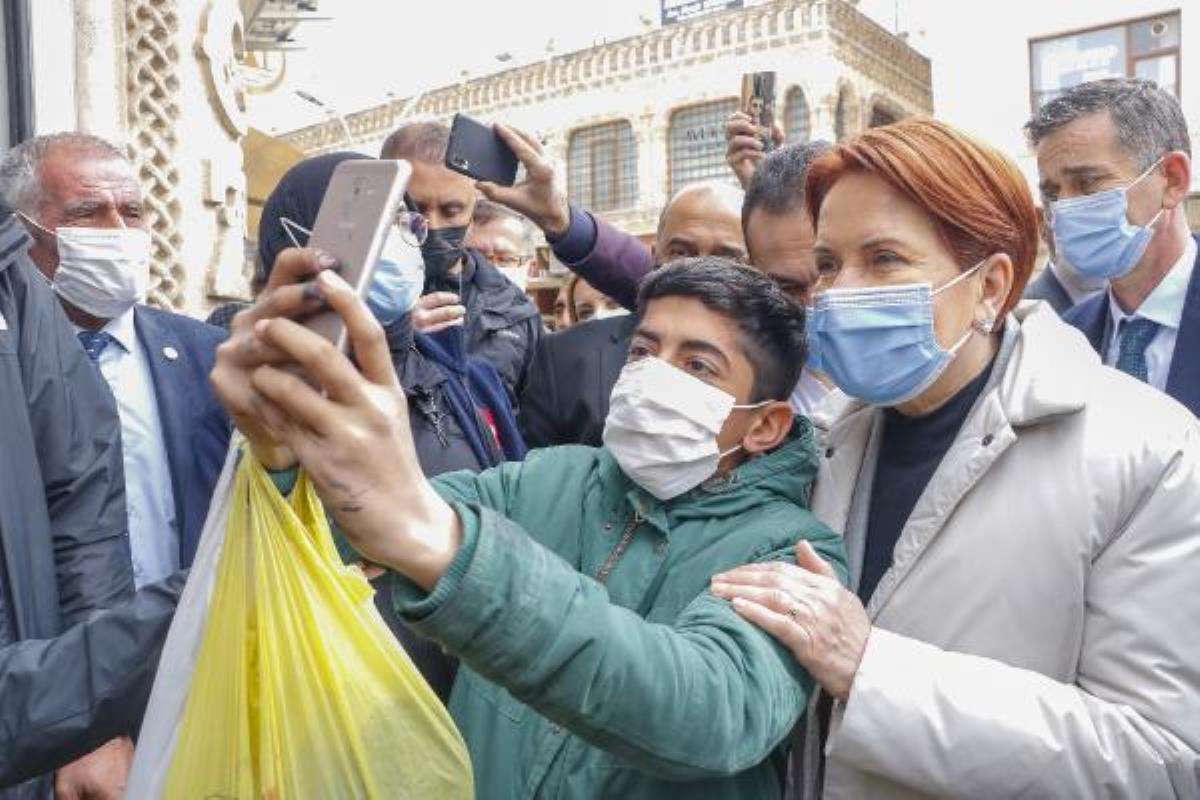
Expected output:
{"points": [[662, 427], [103, 272]]}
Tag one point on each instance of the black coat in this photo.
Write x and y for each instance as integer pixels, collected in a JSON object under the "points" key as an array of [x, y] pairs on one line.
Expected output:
{"points": [[571, 380], [74, 692], [503, 326], [65, 550]]}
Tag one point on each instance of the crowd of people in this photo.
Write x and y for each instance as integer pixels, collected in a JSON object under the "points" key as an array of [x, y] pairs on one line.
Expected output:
{"points": [[822, 494]]}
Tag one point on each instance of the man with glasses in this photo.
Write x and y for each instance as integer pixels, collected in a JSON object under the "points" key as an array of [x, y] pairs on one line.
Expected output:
{"points": [[1114, 157], [504, 238], [501, 326]]}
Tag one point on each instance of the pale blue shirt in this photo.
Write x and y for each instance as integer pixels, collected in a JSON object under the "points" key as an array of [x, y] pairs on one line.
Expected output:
{"points": [[149, 500], [1164, 306]]}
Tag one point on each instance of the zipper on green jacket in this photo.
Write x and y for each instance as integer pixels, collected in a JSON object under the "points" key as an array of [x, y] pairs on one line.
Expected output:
{"points": [[626, 539]]}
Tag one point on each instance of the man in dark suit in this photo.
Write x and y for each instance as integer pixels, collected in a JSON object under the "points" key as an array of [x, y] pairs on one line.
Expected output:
{"points": [[573, 372], [82, 204], [1114, 159]]}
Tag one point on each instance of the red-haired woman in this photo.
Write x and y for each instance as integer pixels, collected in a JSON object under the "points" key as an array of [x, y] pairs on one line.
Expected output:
{"points": [[1023, 523]]}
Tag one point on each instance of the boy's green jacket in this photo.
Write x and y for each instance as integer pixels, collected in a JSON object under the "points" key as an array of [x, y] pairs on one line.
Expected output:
{"points": [[595, 661]]}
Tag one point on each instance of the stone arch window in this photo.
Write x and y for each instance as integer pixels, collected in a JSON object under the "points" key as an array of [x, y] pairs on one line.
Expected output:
{"points": [[712, 38], [602, 166], [613, 61], [882, 115], [773, 24], [727, 35], [696, 143], [797, 127]]}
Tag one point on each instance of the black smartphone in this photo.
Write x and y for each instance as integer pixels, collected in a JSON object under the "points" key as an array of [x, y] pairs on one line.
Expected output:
{"points": [[478, 152]]}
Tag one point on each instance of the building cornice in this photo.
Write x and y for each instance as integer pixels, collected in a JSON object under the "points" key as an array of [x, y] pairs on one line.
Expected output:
{"points": [[863, 43]]}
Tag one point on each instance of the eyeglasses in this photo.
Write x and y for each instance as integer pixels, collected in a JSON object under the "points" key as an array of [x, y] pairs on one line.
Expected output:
{"points": [[507, 260], [414, 228]]}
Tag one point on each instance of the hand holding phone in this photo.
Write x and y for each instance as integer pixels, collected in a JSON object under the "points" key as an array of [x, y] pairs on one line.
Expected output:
{"points": [[477, 151], [758, 103], [357, 215]]}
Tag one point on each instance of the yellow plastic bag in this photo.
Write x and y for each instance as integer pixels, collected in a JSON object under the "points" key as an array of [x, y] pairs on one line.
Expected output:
{"points": [[299, 690]]}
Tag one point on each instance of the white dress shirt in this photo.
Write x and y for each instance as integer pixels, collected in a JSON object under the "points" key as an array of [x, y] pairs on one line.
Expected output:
{"points": [[149, 499], [1164, 306]]}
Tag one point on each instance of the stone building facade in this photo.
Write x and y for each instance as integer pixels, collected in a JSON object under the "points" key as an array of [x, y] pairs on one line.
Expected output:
{"points": [[634, 119], [161, 78]]}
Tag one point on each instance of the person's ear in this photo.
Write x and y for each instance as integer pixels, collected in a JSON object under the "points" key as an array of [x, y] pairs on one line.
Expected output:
{"points": [[770, 428], [1177, 168], [997, 284]]}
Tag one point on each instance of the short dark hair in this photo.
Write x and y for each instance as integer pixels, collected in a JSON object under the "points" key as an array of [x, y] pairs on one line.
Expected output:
{"points": [[778, 184], [1148, 119], [418, 141], [770, 322]]}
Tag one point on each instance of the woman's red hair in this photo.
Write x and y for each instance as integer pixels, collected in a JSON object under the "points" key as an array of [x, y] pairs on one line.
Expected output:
{"points": [[976, 196]]}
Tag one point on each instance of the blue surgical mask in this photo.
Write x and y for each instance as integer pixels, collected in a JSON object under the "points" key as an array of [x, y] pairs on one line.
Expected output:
{"points": [[1095, 236], [878, 343], [398, 280]]}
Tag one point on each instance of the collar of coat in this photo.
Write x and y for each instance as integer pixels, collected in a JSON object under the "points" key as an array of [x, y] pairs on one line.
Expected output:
{"points": [[1042, 371]]}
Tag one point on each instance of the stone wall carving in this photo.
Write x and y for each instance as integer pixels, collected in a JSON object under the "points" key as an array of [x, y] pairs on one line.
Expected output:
{"points": [[152, 49]]}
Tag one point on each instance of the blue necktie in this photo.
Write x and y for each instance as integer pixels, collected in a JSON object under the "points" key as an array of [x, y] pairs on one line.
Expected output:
{"points": [[1135, 336], [94, 343]]}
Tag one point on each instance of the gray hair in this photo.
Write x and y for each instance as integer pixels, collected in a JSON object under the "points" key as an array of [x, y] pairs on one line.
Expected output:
{"points": [[418, 141], [20, 168], [487, 212], [1148, 119]]}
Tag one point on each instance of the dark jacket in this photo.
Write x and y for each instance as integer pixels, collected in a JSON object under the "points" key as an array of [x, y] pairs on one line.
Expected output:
{"points": [[1093, 317], [611, 260], [63, 697], [1048, 287], [444, 391], [62, 491], [502, 326], [196, 429], [573, 373]]}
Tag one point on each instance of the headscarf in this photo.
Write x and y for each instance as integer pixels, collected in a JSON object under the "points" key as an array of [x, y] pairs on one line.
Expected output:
{"points": [[298, 197]]}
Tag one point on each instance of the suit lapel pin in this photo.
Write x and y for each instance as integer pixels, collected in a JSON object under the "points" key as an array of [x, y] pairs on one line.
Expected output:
{"points": [[171, 353]]}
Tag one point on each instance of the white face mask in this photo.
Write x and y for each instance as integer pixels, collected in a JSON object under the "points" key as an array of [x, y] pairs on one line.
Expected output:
{"points": [[101, 271], [663, 424]]}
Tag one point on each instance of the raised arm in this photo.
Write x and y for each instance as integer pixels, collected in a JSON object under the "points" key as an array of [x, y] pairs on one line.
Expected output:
{"points": [[611, 260]]}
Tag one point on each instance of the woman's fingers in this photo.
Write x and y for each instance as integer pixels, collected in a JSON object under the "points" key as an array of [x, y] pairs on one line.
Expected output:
{"points": [[792, 636], [294, 301], [319, 359], [297, 264], [367, 338], [299, 403]]}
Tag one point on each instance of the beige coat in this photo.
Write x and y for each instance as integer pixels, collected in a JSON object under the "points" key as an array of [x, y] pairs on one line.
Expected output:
{"points": [[1038, 634]]}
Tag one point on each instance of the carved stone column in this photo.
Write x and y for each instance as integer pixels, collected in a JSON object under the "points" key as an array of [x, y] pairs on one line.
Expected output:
{"points": [[185, 118], [153, 53]]}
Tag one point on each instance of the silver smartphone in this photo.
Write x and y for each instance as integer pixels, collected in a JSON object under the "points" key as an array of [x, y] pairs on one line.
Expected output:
{"points": [[356, 215]]}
